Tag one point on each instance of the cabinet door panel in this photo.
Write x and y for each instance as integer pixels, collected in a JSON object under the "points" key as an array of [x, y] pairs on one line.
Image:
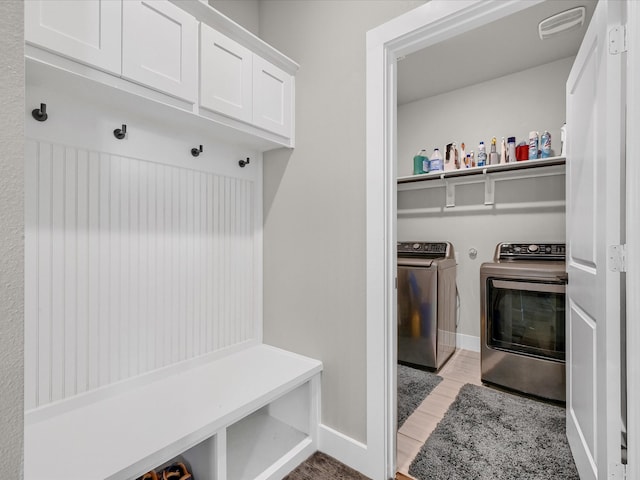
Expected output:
{"points": [[272, 97], [160, 44], [87, 31], [225, 75]]}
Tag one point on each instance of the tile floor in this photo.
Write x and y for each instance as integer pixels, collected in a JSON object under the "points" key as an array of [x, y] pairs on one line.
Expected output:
{"points": [[463, 367]]}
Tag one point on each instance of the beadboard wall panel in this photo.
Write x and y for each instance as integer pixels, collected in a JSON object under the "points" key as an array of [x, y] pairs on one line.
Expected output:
{"points": [[131, 265]]}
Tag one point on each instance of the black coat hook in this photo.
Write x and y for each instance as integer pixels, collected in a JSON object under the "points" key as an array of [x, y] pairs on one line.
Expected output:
{"points": [[120, 133], [242, 163], [195, 152], [40, 114]]}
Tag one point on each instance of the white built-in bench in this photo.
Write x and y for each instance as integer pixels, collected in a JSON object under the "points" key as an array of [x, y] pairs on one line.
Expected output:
{"points": [[252, 414]]}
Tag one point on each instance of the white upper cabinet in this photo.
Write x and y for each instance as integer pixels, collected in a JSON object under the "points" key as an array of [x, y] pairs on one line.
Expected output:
{"points": [[237, 83], [88, 31], [225, 75], [160, 47], [272, 97], [233, 80]]}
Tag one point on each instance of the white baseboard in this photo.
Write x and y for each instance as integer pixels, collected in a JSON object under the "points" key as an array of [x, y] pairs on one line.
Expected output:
{"points": [[354, 453], [344, 449], [468, 342]]}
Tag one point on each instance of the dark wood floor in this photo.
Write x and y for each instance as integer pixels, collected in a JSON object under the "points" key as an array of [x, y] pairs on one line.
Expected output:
{"points": [[323, 467]]}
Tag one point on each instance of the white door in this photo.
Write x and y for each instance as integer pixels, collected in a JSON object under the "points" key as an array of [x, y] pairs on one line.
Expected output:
{"points": [[225, 75], [272, 97], [159, 47], [87, 31], [595, 138]]}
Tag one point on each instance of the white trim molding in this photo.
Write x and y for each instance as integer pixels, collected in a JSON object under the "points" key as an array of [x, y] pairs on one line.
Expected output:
{"points": [[467, 342], [427, 25], [349, 451], [633, 240]]}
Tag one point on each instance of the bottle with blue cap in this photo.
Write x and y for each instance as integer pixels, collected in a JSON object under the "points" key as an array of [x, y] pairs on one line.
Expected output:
{"points": [[482, 155]]}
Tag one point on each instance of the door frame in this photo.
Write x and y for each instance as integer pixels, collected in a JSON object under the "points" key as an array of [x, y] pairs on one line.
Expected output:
{"points": [[633, 240], [428, 25]]}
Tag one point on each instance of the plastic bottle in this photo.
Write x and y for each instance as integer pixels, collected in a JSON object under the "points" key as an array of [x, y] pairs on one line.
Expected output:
{"points": [[452, 162], [418, 162], [503, 151], [482, 155], [493, 154], [533, 145], [456, 158], [545, 145], [435, 164], [511, 150], [563, 140], [449, 157]]}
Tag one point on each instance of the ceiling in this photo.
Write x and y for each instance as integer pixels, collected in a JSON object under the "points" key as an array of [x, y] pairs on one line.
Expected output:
{"points": [[506, 46]]}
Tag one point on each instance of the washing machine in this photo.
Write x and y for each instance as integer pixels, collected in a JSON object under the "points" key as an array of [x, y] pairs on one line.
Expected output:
{"points": [[427, 303]]}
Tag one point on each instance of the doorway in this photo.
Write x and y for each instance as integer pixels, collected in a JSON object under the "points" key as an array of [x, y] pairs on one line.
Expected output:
{"points": [[422, 28]]}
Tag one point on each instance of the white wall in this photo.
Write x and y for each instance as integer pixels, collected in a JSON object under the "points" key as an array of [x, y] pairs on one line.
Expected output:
{"points": [[512, 105], [157, 254], [243, 12], [314, 204], [11, 241], [524, 210]]}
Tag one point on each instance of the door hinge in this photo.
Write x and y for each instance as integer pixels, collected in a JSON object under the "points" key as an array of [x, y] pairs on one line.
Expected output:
{"points": [[618, 258], [618, 40], [619, 472]]}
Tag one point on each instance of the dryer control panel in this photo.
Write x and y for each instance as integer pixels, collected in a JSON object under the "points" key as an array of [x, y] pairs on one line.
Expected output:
{"points": [[530, 251]]}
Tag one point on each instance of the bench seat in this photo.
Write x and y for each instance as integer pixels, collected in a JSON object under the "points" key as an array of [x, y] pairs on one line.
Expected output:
{"points": [[129, 433]]}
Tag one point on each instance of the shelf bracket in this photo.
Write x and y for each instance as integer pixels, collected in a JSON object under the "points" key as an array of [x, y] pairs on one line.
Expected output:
{"points": [[450, 192], [489, 190]]}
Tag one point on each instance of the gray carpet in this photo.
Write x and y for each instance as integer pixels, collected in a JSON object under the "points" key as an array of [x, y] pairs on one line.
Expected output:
{"points": [[492, 435], [413, 387]]}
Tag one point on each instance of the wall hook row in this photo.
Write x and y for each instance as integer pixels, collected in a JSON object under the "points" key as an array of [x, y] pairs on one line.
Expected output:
{"points": [[40, 114], [242, 163], [120, 133], [195, 151]]}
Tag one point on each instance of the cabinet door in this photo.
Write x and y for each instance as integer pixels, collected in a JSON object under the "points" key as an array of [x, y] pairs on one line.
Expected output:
{"points": [[87, 31], [272, 97], [159, 47], [225, 75]]}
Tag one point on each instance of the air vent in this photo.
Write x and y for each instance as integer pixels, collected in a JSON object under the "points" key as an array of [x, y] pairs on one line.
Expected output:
{"points": [[561, 22]]}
